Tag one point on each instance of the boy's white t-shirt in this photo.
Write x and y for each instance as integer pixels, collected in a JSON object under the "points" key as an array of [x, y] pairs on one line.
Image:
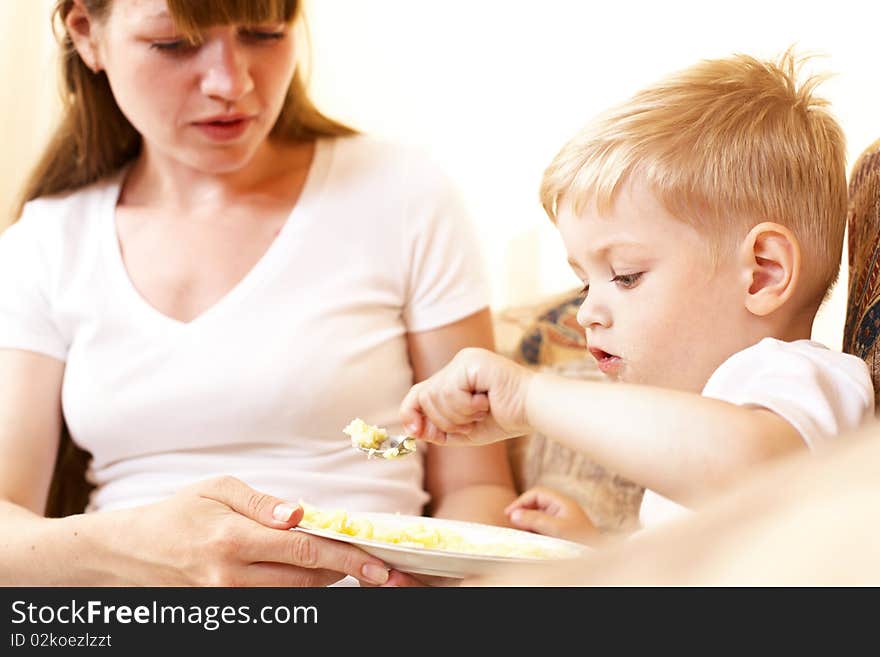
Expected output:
{"points": [[261, 385], [820, 392]]}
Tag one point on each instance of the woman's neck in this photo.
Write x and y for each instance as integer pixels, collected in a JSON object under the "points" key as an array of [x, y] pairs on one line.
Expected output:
{"points": [[158, 180]]}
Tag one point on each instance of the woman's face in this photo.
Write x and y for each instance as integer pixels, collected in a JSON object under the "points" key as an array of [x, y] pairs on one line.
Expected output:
{"points": [[208, 106]]}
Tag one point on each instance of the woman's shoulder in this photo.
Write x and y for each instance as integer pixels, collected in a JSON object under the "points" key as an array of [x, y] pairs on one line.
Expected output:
{"points": [[63, 222], [69, 211], [372, 147], [390, 160], [71, 202]]}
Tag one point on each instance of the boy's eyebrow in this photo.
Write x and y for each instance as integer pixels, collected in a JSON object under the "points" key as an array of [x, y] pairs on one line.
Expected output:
{"points": [[613, 245]]}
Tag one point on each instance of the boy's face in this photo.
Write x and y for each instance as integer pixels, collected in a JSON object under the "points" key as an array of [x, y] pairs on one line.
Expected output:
{"points": [[658, 312]]}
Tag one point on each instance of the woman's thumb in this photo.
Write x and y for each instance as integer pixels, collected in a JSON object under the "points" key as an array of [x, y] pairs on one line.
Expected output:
{"points": [[265, 509]]}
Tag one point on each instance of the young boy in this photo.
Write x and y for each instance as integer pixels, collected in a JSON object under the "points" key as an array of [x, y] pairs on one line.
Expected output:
{"points": [[705, 218]]}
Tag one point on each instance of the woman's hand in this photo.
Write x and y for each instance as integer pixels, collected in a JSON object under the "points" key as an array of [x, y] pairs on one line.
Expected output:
{"points": [[478, 398], [545, 511], [221, 532]]}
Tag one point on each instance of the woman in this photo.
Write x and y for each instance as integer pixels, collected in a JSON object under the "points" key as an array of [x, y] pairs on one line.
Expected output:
{"points": [[211, 278]]}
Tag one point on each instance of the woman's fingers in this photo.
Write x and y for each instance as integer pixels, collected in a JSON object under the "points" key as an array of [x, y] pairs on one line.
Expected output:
{"points": [[399, 579], [263, 508], [279, 574], [313, 552]]}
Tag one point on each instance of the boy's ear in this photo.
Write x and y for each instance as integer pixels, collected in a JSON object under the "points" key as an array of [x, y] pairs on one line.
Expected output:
{"points": [[82, 30], [771, 263]]}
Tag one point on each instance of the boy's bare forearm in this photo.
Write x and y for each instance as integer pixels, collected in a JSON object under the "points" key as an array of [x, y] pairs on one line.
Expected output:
{"points": [[37, 551], [676, 443]]}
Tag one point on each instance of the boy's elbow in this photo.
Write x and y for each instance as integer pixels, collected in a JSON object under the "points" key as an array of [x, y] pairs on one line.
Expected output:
{"points": [[772, 437]]}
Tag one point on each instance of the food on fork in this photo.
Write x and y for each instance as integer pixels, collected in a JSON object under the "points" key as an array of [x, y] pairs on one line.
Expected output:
{"points": [[365, 435], [375, 440]]}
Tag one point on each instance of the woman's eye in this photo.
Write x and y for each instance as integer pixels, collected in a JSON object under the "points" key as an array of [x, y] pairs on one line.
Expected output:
{"points": [[262, 35], [585, 290], [627, 281], [178, 46]]}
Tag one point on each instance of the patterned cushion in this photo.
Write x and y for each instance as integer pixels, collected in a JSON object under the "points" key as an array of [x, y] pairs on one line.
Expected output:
{"points": [[555, 337], [554, 341], [863, 301]]}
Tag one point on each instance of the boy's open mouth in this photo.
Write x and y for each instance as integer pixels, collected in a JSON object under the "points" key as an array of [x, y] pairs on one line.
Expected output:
{"points": [[608, 363]]}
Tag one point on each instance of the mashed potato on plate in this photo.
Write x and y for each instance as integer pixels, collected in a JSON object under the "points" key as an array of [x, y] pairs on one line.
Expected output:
{"points": [[416, 535]]}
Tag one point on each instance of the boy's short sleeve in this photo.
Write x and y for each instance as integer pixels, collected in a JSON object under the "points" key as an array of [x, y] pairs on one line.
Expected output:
{"points": [[820, 392], [26, 320], [446, 278]]}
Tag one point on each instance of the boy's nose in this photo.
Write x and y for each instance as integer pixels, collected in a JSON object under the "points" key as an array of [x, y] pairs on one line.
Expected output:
{"points": [[593, 313], [227, 76]]}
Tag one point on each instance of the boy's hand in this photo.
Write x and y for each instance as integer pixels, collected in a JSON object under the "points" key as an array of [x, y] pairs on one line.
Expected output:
{"points": [[545, 511], [478, 398]]}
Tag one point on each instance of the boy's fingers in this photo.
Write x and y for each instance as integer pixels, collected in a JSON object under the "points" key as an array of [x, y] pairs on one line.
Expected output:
{"points": [[410, 413], [438, 415], [536, 497], [535, 521], [458, 406], [480, 404], [451, 415], [432, 434], [525, 501]]}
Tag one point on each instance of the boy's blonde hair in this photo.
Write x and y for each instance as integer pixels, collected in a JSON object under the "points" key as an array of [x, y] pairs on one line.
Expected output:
{"points": [[725, 145]]}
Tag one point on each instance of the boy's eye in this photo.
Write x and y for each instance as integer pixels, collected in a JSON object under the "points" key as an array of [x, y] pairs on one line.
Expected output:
{"points": [[627, 281]]}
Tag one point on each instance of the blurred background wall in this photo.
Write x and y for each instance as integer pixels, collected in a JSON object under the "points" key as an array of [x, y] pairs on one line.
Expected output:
{"points": [[492, 88]]}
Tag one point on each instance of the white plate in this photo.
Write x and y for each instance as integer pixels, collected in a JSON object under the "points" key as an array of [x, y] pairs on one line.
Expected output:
{"points": [[446, 563]]}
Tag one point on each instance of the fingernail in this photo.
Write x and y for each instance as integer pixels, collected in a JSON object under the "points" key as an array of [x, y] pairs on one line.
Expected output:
{"points": [[516, 515], [283, 511], [375, 574], [411, 429]]}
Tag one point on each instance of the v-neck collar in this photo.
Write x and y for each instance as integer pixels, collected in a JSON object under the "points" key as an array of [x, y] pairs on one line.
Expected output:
{"points": [[268, 262]]}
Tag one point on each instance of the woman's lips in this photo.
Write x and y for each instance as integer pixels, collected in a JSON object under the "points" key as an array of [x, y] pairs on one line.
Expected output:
{"points": [[607, 363], [225, 129]]}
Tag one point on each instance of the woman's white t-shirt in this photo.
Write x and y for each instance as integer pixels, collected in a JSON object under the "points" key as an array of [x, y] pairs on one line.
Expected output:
{"points": [[260, 385]]}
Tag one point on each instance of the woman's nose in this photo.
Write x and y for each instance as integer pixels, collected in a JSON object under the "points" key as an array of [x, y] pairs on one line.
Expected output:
{"points": [[227, 72]]}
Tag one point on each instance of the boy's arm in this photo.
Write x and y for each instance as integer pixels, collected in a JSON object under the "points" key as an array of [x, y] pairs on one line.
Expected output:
{"points": [[676, 443]]}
